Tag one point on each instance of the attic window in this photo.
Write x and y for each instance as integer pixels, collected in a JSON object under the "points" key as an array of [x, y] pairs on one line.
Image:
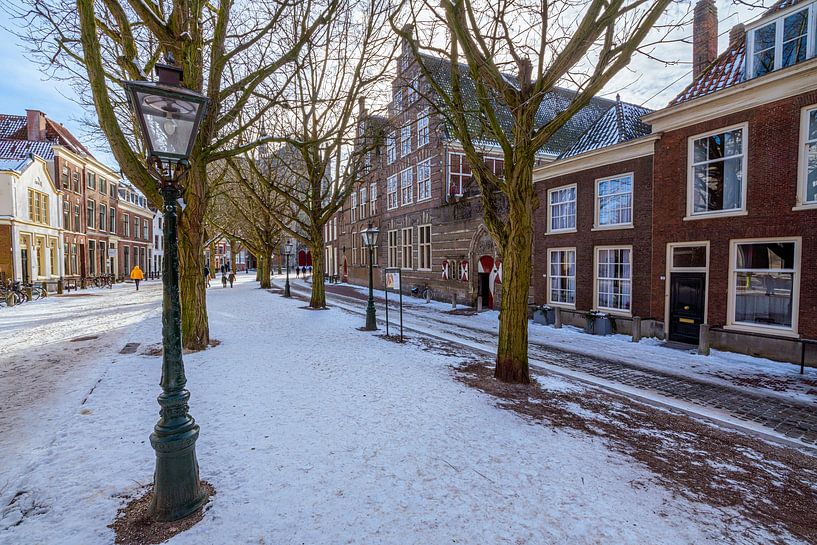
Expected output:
{"points": [[782, 42]]}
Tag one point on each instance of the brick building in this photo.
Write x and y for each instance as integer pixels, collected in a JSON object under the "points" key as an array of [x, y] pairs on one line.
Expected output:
{"points": [[735, 187], [135, 230], [592, 244], [420, 194], [84, 183]]}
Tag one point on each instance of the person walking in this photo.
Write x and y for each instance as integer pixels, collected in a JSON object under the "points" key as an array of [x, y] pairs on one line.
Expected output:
{"points": [[207, 275], [297, 271], [137, 275], [223, 280], [231, 278]]}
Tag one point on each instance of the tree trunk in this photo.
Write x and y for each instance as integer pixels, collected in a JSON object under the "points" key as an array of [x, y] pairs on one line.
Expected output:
{"points": [[512, 352], [257, 268], [264, 268], [318, 299], [195, 328], [233, 246]]}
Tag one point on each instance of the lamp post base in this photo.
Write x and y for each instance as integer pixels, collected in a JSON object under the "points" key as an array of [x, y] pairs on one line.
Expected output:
{"points": [[177, 490], [371, 320], [287, 293]]}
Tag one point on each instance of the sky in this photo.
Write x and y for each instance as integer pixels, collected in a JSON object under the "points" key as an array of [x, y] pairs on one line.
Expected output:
{"points": [[647, 82]]}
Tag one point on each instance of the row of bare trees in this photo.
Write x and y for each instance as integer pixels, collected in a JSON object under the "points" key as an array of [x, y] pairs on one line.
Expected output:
{"points": [[278, 152]]}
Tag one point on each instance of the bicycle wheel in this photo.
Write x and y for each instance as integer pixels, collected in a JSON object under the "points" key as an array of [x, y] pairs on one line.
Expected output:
{"points": [[19, 298], [36, 293]]}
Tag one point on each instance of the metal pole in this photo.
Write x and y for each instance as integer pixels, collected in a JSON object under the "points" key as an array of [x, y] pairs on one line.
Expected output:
{"points": [[371, 321], [286, 286], [177, 490], [401, 307], [386, 293]]}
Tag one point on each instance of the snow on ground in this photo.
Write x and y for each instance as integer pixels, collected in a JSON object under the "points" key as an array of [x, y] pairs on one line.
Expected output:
{"points": [[315, 432], [750, 373]]}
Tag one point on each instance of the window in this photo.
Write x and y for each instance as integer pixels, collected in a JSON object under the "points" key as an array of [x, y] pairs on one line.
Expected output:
{"points": [[398, 100], [354, 247], [405, 140], [38, 207], [459, 173], [126, 225], [391, 148], [353, 208], [807, 190], [394, 249], [764, 285], [424, 180], [103, 216], [103, 185], [91, 182], [408, 248], [65, 177], [424, 248], [112, 220], [495, 165], [113, 190], [373, 198], [66, 216], [562, 276], [717, 165], [91, 214], [412, 89], [781, 43], [75, 179], [74, 267], [614, 201], [91, 257], [145, 230], [364, 200], [77, 224], [422, 129], [406, 187], [613, 278], [391, 192], [562, 209], [136, 228]]}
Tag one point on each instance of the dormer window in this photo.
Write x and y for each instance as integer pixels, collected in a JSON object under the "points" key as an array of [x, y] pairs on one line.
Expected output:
{"points": [[782, 42]]}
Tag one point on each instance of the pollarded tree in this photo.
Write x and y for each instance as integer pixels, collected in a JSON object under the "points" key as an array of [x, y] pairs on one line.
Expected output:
{"points": [[232, 51], [493, 70], [322, 155]]}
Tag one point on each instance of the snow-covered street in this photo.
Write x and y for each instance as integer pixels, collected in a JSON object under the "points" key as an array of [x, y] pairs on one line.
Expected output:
{"points": [[315, 432]]}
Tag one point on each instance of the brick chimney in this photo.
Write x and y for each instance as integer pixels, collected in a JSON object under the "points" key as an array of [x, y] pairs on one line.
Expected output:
{"points": [[736, 34], [35, 125], [704, 36]]}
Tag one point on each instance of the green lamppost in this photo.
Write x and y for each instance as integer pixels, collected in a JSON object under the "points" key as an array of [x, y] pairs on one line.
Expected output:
{"points": [[287, 252], [169, 116], [370, 240]]}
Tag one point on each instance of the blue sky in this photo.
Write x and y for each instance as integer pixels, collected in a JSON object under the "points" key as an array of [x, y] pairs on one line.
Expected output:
{"points": [[25, 87]]}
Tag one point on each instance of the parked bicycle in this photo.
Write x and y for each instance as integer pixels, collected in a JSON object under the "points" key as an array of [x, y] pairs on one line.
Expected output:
{"points": [[17, 293], [422, 291]]}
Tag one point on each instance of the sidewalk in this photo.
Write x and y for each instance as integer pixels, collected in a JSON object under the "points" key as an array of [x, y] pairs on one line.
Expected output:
{"points": [[761, 395]]}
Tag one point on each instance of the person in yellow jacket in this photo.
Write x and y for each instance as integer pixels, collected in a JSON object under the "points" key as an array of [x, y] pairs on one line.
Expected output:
{"points": [[136, 275]]}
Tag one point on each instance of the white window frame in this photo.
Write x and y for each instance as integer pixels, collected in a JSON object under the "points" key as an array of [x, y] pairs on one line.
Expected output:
{"points": [[364, 201], [373, 199], [777, 20], [460, 173], [422, 129], [392, 200], [731, 323], [597, 226], [550, 300], [691, 215], [424, 183], [549, 228], [391, 148], [610, 310], [405, 140], [424, 260], [406, 186], [407, 248], [802, 163], [353, 208]]}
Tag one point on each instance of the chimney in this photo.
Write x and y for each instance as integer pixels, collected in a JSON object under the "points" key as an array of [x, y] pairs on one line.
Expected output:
{"points": [[704, 36], [736, 34], [35, 125]]}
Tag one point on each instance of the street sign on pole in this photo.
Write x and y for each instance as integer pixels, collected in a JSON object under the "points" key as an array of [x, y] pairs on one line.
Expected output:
{"points": [[393, 283]]}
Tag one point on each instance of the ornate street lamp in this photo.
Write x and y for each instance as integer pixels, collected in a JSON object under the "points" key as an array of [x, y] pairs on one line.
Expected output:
{"points": [[287, 252], [169, 116], [370, 240]]}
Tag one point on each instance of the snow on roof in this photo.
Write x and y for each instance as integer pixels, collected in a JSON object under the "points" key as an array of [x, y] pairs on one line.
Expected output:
{"points": [[22, 148], [621, 123], [16, 164], [728, 69]]}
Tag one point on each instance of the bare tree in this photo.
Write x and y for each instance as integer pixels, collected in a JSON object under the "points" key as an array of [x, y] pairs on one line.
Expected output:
{"points": [[514, 53], [233, 51], [322, 155]]}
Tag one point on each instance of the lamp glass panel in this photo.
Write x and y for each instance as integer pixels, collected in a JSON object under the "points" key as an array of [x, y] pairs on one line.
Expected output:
{"points": [[169, 122]]}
